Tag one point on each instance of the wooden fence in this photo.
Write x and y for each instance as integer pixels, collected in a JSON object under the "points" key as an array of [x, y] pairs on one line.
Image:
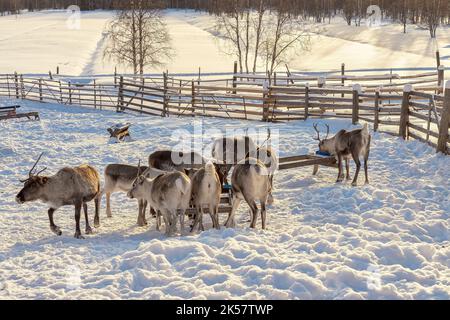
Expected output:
{"points": [[412, 105]]}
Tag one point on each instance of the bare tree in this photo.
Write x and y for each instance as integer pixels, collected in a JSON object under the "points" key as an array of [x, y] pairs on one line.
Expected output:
{"points": [[434, 11], [284, 35], [138, 37]]}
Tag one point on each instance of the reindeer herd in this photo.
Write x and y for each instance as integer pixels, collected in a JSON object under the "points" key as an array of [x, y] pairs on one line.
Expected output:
{"points": [[174, 182]]}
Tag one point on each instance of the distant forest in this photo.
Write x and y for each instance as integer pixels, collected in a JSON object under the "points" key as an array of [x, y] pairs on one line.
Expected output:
{"points": [[402, 11]]}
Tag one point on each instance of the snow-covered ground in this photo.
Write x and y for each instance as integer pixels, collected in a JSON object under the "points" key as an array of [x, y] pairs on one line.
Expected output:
{"points": [[38, 42], [389, 239]]}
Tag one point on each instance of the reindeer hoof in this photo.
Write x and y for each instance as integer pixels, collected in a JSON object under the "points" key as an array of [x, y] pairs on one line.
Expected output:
{"points": [[354, 184], [142, 224], [57, 231], [89, 231], [79, 236]]}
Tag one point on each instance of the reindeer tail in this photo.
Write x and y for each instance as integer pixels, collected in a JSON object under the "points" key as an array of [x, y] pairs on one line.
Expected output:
{"points": [[210, 169], [185, 188], [365, 130]]}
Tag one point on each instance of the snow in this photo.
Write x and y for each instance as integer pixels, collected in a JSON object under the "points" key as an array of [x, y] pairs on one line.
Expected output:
{"points": [[39, 42], [386, 240]]}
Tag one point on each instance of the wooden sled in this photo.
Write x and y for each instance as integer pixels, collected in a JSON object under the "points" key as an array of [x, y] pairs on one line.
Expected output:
{"points": [[10, 112], [120, 132]]}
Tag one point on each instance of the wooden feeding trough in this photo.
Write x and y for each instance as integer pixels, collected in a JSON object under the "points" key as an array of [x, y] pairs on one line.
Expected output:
{"points": [[7, 113], [286, 163]]}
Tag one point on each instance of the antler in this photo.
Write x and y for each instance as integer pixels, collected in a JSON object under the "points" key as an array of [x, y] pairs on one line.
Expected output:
{"points": [[32, 173], [318, 132], [328, 131], [139, 170]]}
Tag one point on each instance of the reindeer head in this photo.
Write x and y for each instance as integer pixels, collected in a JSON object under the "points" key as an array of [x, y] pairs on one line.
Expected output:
{"points": [[33, 185], [137, 191], [325, 145]]}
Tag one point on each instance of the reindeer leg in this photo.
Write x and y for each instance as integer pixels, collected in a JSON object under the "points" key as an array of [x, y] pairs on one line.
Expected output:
{"points": [[200, 219], [263, 214], [141, 216], [212, 215], [108, 205], [340, 164], [86, 217], [196, 219], [78, 206], [366, 161], [358, 168], [216, 214], [254, 209], [230, 222], [97, 203], [158, 220], [144, 210], [55, 229], [347, 166], [182, 217]]}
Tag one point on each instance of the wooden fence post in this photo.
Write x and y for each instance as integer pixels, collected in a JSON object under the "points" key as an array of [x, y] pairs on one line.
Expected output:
{"points": [[438, 58], [441, 72], [343, 79], [193, 98], [95, 95], [60, 92], [40, 90], [321, 82], [404, 115], [235, 70], [22, 87], [120, 102], [166, 101], [445, 119], [7, 83], [306, 101], [70, 92], [376, 121], [355, 113], [266, 106], [16, 81]]}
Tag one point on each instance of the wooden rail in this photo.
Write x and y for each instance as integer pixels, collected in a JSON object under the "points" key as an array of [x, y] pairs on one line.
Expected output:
{"points": [[377, 98]]}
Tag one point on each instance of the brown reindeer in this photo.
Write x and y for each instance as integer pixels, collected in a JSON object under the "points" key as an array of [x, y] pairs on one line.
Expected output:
{"points": [[69, 187], [347, 145]]}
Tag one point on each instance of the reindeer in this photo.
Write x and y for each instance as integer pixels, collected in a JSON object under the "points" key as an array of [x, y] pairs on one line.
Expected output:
{"points": [[250, 182], [230, 151], [175, 161], [269, 158], [69, 187], [120, 178], [206, 191], [168, 193], [347, 145], [189, 163]]}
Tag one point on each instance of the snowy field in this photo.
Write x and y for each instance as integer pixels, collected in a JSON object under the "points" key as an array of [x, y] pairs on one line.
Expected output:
{"points": [[389, 239], [38, 42]]}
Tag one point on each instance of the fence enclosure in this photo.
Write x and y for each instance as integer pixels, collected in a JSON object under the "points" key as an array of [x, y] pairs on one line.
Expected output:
{"points": [[412, 106]]}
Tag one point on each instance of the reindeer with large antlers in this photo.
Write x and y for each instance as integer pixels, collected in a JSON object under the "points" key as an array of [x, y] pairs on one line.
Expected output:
{"points": [[347, 145], [69, 187]]}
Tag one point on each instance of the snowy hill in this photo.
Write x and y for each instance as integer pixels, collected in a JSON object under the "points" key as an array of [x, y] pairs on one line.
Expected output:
{"points": [[38, 42], [389, 239]]}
